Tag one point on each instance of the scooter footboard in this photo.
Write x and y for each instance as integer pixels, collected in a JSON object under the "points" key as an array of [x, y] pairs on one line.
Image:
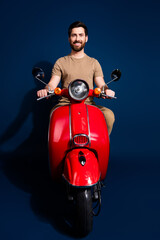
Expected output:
{"points": [[81, 168]]}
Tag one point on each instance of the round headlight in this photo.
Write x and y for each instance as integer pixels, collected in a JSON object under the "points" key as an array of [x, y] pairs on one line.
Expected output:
{"points": [[78, 89]]}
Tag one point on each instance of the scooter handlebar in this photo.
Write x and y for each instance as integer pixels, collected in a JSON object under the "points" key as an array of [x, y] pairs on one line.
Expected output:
{"points": [[107, 96], [100, 94], [64, 92], [50, 93]]}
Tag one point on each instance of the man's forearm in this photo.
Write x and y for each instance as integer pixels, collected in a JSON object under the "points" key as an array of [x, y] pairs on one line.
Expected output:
{"points": [[99, 81], [53, 83]]}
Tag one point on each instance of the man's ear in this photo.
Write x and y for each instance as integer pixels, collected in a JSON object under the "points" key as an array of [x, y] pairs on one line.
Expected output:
{"points": [[86, 38]]}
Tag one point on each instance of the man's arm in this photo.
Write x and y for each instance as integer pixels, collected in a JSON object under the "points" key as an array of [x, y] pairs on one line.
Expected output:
{"points": [[53, 83], [99, 81]]}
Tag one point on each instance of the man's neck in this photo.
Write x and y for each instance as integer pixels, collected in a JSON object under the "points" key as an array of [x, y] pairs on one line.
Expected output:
{"points": [[79, 54]]}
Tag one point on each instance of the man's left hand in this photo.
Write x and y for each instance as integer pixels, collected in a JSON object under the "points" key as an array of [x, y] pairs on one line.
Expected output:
{"points": [[109, 92]]}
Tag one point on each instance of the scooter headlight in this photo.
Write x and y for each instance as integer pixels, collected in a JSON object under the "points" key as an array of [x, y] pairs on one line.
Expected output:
{"points": [[78, 89]]}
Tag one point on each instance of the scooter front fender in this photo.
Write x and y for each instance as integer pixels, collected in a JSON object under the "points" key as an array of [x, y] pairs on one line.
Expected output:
{"points": [[78, 174]]}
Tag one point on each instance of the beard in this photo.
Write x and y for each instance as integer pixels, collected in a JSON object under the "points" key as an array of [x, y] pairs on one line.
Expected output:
{"points": [[77, 48]]}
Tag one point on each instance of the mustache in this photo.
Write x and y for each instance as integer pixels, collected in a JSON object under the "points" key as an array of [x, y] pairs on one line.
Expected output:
{"points": [[77, 42]]}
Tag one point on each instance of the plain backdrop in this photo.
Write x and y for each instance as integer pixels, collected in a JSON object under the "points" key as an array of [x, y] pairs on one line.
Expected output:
{"points": [[122, 34]]}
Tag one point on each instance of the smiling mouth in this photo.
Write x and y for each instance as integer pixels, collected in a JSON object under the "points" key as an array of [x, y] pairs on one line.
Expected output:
{"points": [[77, 43]]}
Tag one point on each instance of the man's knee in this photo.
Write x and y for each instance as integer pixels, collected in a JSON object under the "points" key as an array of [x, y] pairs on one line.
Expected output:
{"points": [[111, 116]]}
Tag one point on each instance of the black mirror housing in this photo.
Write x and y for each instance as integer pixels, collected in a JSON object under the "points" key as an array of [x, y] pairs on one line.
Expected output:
{"points": [[38, 73], [115, 75]]}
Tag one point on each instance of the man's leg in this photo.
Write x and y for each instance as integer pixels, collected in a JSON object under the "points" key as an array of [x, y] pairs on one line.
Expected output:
{"points": [[109, 116]]}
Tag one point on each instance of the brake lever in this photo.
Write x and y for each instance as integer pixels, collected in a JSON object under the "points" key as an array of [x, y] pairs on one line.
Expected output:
{"points": [[51, 93], [107, 96]]}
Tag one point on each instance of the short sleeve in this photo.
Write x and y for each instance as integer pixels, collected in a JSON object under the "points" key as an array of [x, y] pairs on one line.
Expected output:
{"points": [[97, 70], [56, 70]]}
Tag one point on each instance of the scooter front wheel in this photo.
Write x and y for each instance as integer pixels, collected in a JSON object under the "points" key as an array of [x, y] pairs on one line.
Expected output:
{"points": [[84, 215]]}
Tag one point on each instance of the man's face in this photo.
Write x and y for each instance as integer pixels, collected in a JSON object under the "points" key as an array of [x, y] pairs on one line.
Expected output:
{"points": [[78, 39]]}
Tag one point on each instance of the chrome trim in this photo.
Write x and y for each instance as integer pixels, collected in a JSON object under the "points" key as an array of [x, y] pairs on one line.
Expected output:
{"points": [[89, 133], [103, 116], [70, 126], [79, 144]]}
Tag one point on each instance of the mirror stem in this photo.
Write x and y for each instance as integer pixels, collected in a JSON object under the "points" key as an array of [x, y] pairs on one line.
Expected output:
{"points": [[43, 83], [112, 80], [41, 80]]}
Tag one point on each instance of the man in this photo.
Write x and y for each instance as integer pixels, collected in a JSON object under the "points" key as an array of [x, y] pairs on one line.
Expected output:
{"points": [[77, 65]]}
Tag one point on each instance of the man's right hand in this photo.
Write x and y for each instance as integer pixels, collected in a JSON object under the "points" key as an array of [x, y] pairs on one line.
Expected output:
{"points": [[53, 83], [42, 93]]}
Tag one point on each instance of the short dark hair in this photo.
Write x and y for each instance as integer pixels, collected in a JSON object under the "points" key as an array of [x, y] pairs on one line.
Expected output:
{"points": [[76, 25]]}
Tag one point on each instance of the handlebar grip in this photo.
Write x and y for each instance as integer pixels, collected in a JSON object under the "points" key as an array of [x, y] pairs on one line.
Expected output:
{"points": [[107, 96], [49, 95]]}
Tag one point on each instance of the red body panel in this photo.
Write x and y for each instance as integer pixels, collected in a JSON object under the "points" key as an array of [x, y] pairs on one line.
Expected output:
{"points": [[99, 137], [79, 175], [59, 139], [65, 123], [79, 121]]}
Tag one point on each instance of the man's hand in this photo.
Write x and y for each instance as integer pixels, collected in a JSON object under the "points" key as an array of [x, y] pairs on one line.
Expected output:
{"points": [[53, 83], [109, 92], [42, 93], [99, 81]]}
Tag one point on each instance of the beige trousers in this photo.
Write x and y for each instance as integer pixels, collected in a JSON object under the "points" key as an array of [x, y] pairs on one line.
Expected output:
{"points": [[108, 114]]}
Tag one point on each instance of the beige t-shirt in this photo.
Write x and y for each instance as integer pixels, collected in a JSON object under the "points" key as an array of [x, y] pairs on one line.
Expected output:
{"points": [[70, 68]]}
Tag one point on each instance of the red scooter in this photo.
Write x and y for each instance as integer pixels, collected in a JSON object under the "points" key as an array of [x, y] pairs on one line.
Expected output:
{"points": [[79, 148]]}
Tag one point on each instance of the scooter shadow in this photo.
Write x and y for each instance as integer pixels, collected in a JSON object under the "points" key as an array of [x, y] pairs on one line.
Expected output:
{"points": [[50, 204], [48, 199], [27, 167]]}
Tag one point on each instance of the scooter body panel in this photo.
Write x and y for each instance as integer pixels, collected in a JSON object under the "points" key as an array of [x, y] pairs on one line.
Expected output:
{"points": [[58, 139], [99, 138], [76, 119], [78, 174], [79, 119]]}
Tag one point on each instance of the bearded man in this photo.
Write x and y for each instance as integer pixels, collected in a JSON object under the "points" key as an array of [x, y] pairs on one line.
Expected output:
{"points": [[78, 65]]}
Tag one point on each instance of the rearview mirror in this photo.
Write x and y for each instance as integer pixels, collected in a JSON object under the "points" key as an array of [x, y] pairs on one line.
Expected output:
{"points": [[38, 73], [115, 75]]}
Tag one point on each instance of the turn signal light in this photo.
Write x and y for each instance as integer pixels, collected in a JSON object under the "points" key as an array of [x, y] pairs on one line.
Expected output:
{"points": [[97, 91], [57, 91]]}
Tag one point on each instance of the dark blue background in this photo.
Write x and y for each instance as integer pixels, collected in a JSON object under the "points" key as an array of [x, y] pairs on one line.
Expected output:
{"points": [[122, 34]]}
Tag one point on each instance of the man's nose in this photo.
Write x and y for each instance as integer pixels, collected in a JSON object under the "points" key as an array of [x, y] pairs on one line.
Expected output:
{"points": [[77, 38]]}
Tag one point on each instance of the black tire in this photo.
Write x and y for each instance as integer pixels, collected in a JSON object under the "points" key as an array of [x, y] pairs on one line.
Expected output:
{"points": [[84, 216]]}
